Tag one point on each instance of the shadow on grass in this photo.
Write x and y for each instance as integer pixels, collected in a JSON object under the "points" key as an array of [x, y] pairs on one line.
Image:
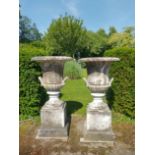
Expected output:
{"points": [[71, 107]]}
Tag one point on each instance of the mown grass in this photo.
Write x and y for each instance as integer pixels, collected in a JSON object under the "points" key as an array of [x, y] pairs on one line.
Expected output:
{"points": [[77, 96]]}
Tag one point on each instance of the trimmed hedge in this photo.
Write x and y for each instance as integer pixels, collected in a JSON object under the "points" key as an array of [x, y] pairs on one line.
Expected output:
{"points": [[31, 94], [121, 96]]}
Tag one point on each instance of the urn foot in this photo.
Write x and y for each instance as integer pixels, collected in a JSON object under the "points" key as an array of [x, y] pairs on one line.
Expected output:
{"points": [[98, 138], [58, 133]]}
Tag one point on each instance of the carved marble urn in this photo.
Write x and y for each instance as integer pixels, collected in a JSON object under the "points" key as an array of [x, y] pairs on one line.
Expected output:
{"points": [[98, 119], [53, 115]]}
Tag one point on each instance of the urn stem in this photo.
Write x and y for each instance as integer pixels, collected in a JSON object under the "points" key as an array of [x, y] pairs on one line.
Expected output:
{"points": [[97, 100], [53, 96]]}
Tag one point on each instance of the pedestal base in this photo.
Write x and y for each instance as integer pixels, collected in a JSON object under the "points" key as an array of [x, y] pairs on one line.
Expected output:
{"points": [[53, 133], [97, 128], [54, 123]]}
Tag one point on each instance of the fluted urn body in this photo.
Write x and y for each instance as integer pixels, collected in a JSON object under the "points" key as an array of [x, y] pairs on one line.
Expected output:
{"points": [[98, 120], [52, 68], [53, 113], [98, 80]]}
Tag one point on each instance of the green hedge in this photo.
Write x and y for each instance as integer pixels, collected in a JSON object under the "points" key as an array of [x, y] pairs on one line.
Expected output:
{"points": [[31, 94], [121, 96]]}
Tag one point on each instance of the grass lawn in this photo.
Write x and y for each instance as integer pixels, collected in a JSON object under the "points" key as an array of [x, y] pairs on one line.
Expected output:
{"points": [[77, 96]]}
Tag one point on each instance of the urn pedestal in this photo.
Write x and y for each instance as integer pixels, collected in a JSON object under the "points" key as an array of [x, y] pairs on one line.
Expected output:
{"points": [[54, 122], [97, 127]]}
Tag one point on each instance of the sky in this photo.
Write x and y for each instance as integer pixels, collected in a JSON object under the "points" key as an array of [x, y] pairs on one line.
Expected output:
{"points": [[94, 13]]}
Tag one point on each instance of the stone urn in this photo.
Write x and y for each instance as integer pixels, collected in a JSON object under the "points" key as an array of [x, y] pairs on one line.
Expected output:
{"points": [[98, 119], [53, 114]]}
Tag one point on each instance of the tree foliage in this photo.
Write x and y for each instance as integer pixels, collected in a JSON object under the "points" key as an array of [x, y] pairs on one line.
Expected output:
{"points": [[112, 30], [96, 42], [122, 39], [65, 36], [130, 30], [27, 30]]}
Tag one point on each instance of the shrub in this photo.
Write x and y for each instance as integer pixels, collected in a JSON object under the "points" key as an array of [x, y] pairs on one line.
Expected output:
{"points": [[121, 95], [73, 70], [31, 94]]}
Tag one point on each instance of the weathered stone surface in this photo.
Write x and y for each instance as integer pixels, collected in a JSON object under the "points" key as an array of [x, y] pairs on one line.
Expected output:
{"points": [[98, 70], [97, 128], [99, 136], [55, 132], [98, 119], [52, 69], [53, 116], [53, 122]]}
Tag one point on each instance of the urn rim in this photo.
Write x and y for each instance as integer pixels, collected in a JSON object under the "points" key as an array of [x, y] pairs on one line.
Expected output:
{"points": [[51, 58], [99, 59]]}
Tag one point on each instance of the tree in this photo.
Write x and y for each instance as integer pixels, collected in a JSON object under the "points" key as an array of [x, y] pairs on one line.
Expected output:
{"points": [[27, 31], [35, 34], [65, 36], [122, 39], [102, 33], [112, 30], [130, 30], [96, 42]]}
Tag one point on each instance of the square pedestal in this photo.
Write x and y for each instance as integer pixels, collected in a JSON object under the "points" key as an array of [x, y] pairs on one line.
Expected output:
{"points": [[54, 123], [97, 128]]}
